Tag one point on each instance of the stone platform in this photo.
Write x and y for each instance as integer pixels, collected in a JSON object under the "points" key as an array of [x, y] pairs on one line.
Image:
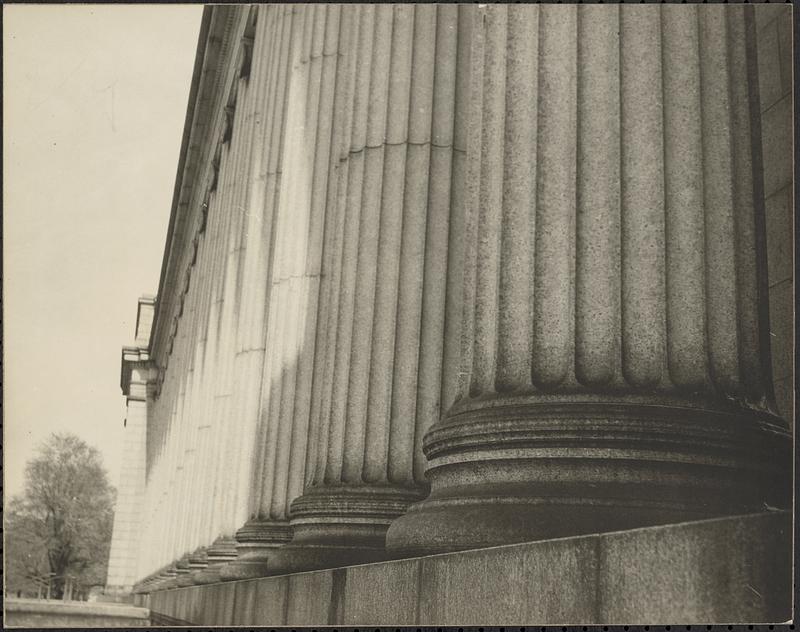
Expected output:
{"points": [[51, 613], [728, 570]]}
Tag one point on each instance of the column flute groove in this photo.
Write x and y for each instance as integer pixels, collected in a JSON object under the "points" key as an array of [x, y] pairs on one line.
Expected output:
{"points": [[419, 69], [754, 348], [269, 384], [684, 205], [334, 234], [299, 169], [334, 458], [273, 147], [449, 329], [597, 241]]}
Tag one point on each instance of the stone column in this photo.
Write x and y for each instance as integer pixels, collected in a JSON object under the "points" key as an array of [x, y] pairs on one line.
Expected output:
{"points": [[210, 424], [222, 430], [374, 384], [615, 357], [272, 65], [302, 166]]}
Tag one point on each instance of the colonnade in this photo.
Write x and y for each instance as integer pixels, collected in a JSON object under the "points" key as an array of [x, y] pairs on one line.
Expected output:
{"points": [[467, 274]]}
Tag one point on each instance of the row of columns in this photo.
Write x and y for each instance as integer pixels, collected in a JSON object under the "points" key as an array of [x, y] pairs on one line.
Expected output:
{"points": [[476, 275], [197, 497]]}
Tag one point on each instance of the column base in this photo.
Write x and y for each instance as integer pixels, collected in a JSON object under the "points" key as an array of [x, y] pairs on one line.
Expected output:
{"points": [[340, 526], [145, 586], [195, 563], [222, 551], [168, 578], [183, 576], [255, 543], [524, 469]]}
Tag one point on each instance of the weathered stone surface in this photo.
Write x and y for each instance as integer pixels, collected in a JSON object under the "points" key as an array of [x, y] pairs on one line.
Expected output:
{"points": [[728, 569], [194, 604], [720, 571], [382, 594], [775, 62], [302, 610], [271, 597], [767, 12], [769, 67], [38, 613], [548, 454], [784, 23], [549, 583], [779, 235], [781, 327], [777, 145], [244, 603]]}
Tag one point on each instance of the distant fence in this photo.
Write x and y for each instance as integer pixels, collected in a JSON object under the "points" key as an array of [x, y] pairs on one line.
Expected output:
{"points": [[44, 584]]}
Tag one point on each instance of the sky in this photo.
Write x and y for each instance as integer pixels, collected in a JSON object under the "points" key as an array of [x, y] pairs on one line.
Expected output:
{"points": [[94, 100]]}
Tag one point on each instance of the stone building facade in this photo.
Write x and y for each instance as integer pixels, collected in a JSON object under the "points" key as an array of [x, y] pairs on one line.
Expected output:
{"points": [[447, 277]]}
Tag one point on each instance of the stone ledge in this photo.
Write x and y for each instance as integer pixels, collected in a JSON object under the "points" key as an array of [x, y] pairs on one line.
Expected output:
{"points": [[75, 614], [727, 570]]}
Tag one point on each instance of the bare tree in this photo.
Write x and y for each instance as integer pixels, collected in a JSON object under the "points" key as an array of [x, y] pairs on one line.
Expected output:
{"points": [[64, 516]]}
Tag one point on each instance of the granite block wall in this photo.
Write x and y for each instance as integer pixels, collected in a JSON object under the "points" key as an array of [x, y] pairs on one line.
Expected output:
{"points": [[774, 24], [723, 570]]}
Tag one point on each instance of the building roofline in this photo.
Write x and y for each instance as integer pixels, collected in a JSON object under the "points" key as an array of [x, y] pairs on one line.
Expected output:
{"points": [[202, 42]]}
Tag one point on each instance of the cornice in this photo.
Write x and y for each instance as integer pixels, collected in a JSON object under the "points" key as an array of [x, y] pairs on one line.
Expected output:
{"points": [[136, 359], [219, 61]]}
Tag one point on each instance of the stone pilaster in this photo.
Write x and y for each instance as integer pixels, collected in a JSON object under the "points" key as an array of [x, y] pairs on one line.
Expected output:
{"points": [[615, 359], [138, 378], [377, 373]]}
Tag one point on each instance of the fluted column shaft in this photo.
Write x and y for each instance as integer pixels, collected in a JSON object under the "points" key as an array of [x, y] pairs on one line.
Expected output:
{"points": [[280, 327], [614, 364], [257, 264], [375, 387], [299, 168]]}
